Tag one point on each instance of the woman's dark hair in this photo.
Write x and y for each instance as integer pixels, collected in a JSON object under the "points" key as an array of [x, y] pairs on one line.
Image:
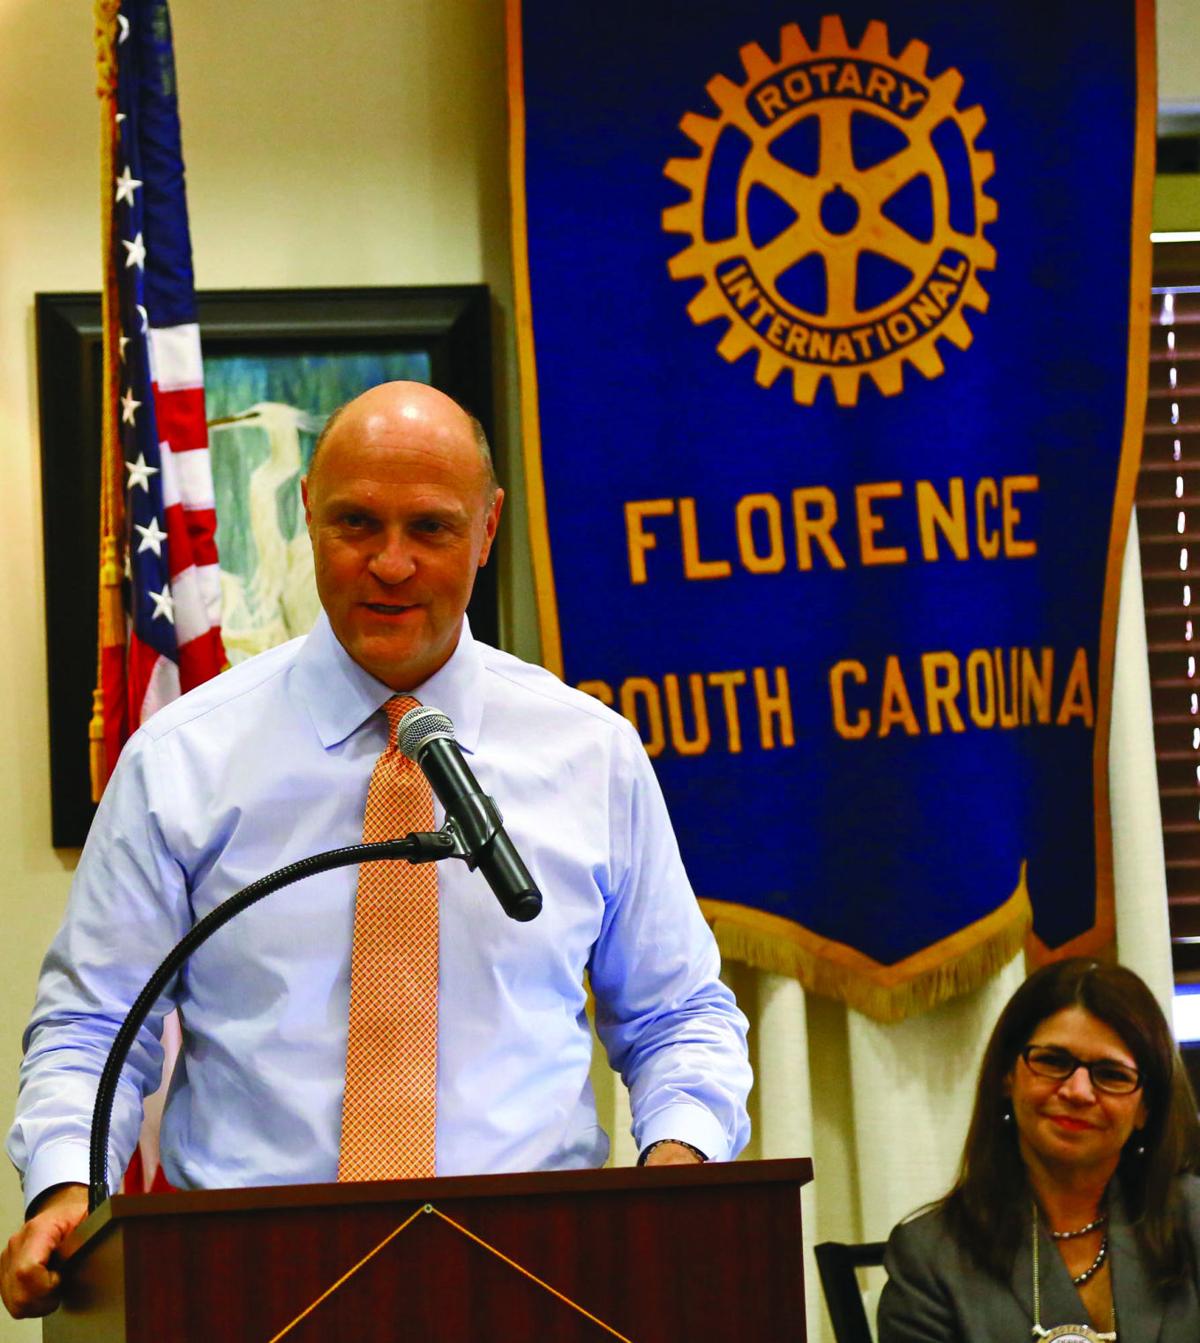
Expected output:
{"points": [[988, 1208]]}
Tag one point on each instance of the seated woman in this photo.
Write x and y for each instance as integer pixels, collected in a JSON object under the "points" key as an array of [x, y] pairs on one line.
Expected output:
{"points": [[1076, 1215]]}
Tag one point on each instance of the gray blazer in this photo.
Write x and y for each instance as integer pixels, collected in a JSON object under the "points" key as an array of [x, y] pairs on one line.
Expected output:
{"points": [[934, 1294]]}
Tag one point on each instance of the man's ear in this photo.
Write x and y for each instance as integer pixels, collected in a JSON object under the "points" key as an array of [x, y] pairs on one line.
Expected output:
{"points": [[490, 523]]}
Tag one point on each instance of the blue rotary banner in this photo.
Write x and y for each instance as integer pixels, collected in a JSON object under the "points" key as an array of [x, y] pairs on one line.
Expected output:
{"points": [[832, 336]]}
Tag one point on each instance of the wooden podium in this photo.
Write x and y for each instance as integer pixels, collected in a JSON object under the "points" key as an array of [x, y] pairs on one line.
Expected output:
{"points": [[676, 1254]]}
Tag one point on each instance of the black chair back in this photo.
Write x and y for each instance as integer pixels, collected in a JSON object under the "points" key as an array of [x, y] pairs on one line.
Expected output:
{"points": [[836, 1264]]}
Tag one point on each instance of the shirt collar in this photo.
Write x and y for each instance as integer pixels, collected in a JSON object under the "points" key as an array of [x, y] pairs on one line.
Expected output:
{"points": [[340, 695]]}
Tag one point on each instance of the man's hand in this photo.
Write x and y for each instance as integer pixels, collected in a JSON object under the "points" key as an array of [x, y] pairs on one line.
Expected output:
{"points": [[28, 1284], [672, 1154]]}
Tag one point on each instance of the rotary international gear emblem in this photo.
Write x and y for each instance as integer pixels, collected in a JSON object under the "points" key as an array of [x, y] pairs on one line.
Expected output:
{"points": [[836, 212]]}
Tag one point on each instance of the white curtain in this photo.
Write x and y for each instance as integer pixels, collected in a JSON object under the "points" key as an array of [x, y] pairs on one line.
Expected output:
{"points": [[883, 1109]]}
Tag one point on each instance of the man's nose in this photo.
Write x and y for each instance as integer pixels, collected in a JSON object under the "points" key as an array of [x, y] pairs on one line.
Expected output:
{"points": [[393, 561]]}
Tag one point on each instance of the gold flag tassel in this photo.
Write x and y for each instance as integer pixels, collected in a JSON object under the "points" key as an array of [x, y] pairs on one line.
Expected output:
{"points": [[957, 964], [111, 624]]}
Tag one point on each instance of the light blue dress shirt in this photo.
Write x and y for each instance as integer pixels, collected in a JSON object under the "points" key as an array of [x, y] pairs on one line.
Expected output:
{"points": [[270, 762]]}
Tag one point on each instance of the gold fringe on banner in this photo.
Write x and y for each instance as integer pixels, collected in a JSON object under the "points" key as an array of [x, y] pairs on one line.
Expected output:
{"points": [[111, 621], [958, 964]]}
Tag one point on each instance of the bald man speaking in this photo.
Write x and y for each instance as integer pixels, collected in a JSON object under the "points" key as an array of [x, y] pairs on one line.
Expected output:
{"points": [[279, 758]]}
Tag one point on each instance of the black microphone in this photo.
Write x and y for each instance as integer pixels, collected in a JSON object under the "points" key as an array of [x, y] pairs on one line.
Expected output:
{"points": [[426, 735]]}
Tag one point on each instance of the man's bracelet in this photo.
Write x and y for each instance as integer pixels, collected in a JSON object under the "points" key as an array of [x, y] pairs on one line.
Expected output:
{"points": [[677, 1141]]}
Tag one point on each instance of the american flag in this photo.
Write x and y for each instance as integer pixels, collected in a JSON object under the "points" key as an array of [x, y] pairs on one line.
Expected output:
{"points": [[160, 594], [158, 519]]}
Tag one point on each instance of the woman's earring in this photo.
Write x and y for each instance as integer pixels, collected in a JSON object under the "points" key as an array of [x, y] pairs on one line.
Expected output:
{"points": [[1007, 1116]]}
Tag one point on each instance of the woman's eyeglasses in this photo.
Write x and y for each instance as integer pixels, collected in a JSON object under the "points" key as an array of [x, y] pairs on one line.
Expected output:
{"points": [[1109, 1076]]}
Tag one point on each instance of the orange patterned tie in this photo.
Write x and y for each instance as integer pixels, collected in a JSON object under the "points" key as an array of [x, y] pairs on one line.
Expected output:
{"points": [[390, 1109]]}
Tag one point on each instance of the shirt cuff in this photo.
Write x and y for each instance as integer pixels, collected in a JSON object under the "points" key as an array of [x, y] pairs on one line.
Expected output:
{"points": [[697, 1127], [62, 1163]]}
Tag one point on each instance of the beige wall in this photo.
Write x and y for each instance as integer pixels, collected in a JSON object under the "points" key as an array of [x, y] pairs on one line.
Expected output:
{"points": [[1177, 197], [1178, 23], [322, 150], [48, 240]]}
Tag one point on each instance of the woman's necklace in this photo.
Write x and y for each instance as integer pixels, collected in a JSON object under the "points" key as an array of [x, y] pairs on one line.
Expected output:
{"points": [[1094, 1267], [1069, 1333], [1083, 1230]]}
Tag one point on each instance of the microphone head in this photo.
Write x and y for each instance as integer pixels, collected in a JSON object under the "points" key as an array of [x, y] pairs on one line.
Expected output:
{"points": [[420, 726]]}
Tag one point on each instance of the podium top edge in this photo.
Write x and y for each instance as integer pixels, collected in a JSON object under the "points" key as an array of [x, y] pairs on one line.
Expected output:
{"points": [[443, 1189]]}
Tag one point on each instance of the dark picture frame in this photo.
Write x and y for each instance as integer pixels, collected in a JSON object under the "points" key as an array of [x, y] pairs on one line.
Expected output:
{"points": [[449, 324]]}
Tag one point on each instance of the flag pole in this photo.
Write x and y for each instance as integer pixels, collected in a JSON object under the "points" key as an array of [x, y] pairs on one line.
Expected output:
{"points": [[111, 624]]}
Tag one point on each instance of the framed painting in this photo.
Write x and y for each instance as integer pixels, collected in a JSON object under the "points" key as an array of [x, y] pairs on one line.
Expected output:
{"points": [[276, 363]]}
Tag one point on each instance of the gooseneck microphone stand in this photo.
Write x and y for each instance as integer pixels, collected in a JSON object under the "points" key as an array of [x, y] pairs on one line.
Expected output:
{"points": [[424, 847]]}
